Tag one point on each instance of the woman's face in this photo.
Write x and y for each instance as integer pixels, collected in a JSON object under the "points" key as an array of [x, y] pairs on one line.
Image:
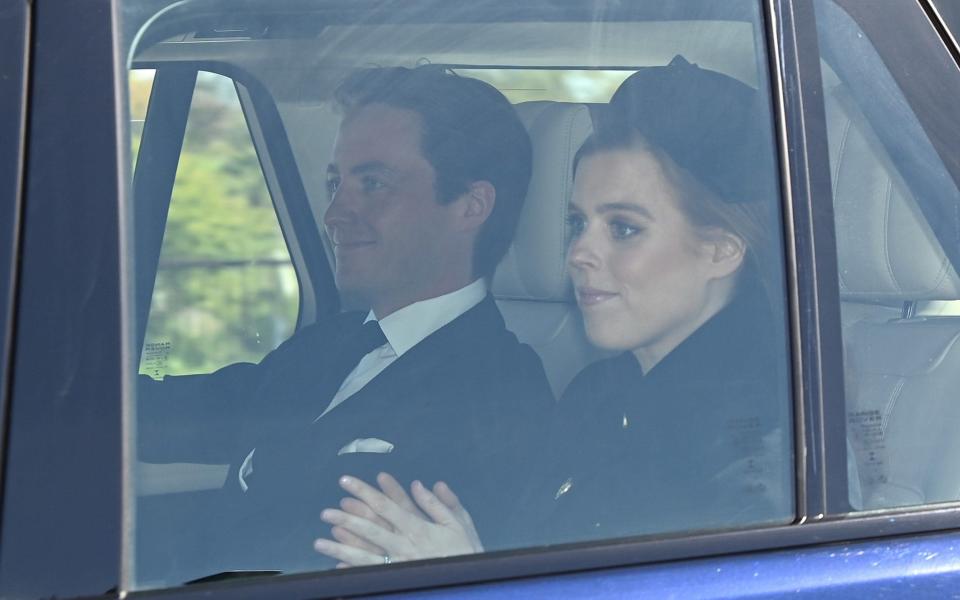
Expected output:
{"points": [[643, 275]]}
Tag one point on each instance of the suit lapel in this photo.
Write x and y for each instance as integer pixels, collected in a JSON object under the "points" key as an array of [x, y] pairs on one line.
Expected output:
{"points": [[397, 385], [301, 388]]}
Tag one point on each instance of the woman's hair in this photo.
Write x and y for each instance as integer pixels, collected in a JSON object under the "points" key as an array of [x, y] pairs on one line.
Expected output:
{"points": [[713, 139], [703, 208]]}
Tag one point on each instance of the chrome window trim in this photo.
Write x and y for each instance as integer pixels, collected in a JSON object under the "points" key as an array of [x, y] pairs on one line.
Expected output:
{"points": [[947, 35]]}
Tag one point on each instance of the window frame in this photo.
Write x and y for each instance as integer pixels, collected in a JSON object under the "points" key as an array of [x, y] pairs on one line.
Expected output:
{"points": [[946, 23], [61, 531], [71, 44], [318, 290], [315, 283], [289, 194], [14, 57], [172, 96], [820, 420]]}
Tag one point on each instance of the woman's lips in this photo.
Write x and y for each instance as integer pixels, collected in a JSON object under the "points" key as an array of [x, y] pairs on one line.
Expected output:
{"points": [[587, 296]]}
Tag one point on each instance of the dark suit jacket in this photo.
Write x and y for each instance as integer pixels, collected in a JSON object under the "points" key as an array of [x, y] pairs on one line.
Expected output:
{"points": [[463, 406]]}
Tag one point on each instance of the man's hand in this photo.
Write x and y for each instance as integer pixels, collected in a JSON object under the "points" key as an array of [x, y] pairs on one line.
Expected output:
{"points": [[386, 525]]}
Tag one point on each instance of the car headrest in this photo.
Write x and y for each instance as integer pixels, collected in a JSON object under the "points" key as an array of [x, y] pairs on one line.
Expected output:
{"points": [[534, 267], [887, 252]]}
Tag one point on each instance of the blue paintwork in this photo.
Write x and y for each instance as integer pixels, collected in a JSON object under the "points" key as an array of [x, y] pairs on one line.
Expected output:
{"points": [[916, 567]]}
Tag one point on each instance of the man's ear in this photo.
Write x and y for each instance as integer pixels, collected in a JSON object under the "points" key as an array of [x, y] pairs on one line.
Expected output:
{"points": [[726, 251], [477, 204]]}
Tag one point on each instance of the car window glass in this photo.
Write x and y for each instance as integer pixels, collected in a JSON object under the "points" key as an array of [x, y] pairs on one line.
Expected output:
{"points": [[895, 201], [556, 237], [225, 290]]}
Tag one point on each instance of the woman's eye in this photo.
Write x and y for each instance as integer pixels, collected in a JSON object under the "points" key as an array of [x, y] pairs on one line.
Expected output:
{"points": [[621, 230], [333, 184], [371, 184], [575, 224]]}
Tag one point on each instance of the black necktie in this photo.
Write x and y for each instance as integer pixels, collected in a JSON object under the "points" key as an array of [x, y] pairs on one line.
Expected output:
{"points": [[353, 341], [368, 338], [358, 340]]}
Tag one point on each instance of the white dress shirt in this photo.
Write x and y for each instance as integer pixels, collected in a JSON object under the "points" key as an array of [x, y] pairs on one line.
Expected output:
{"points": [[404, 329]]}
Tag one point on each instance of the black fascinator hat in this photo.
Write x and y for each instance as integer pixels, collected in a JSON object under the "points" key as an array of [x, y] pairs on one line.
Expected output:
{"points": [[712, 125]]}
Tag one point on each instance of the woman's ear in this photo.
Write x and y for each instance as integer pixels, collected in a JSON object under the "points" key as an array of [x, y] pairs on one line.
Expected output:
{"points": [[726, 251], [478, 204]]}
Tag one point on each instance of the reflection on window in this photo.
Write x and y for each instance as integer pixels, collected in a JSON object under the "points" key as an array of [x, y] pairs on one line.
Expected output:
{"points": [[141, 83], [225, 290], [558, 85], [939, 308]]}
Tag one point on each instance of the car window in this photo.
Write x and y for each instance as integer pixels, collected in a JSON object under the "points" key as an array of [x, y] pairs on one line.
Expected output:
{"points": [[225, 290], [556, 237], [895, 199]]}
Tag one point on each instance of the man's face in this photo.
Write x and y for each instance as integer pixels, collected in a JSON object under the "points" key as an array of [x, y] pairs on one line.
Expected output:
{"points": [[392, 239]]}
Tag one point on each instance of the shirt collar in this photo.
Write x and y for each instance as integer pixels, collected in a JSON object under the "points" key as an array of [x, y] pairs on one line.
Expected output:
{"points": [[408, 326]]}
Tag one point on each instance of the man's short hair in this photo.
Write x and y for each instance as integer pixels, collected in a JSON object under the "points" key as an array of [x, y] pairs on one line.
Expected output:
{"points": [[470, 132]]}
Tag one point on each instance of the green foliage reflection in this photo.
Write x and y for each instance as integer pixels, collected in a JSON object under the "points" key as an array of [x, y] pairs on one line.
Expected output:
{"points": [[225, 291]]}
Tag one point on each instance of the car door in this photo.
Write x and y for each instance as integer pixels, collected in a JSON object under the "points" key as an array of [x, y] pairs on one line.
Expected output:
{"points": [[67, 297], [865, 146]]}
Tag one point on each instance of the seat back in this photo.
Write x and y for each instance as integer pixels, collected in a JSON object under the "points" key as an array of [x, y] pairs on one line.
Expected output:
{"points": [[902, 372], [531, 284]]}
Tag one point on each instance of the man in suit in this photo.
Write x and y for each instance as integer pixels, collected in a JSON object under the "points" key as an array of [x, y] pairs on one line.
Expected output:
{"points": [[428, 178]]}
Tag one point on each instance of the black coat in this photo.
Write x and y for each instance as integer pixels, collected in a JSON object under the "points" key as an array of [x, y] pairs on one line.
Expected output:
{"points": [[701, 442], [461, 406]]}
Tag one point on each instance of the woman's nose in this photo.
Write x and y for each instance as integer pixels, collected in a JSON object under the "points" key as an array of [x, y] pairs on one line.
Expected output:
{"points": [[582, 254]]}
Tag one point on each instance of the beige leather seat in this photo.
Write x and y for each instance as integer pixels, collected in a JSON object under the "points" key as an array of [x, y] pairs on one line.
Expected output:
{"points": [[531, 284], [903, 372]]}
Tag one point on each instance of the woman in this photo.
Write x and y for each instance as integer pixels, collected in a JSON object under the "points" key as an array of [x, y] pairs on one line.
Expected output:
{"points": [[684, 428]]}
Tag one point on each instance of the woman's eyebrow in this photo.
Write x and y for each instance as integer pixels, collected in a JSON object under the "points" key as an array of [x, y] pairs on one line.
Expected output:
{"points": [[625, 206]]}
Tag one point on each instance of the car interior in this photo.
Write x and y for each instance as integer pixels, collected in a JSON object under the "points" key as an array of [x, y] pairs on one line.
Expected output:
{"points": [[901, 361], [900, 365], [531, 285]]}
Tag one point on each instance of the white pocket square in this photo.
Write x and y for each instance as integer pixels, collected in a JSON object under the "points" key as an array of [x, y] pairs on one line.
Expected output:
{"points": [[374, 445]]}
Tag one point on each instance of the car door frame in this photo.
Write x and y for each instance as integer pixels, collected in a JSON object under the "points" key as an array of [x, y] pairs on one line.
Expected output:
{"points": [[14, 44], [71, 353]]}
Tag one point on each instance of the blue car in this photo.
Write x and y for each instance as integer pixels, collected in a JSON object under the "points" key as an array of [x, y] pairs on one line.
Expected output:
{"points": [[193, 191]]}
